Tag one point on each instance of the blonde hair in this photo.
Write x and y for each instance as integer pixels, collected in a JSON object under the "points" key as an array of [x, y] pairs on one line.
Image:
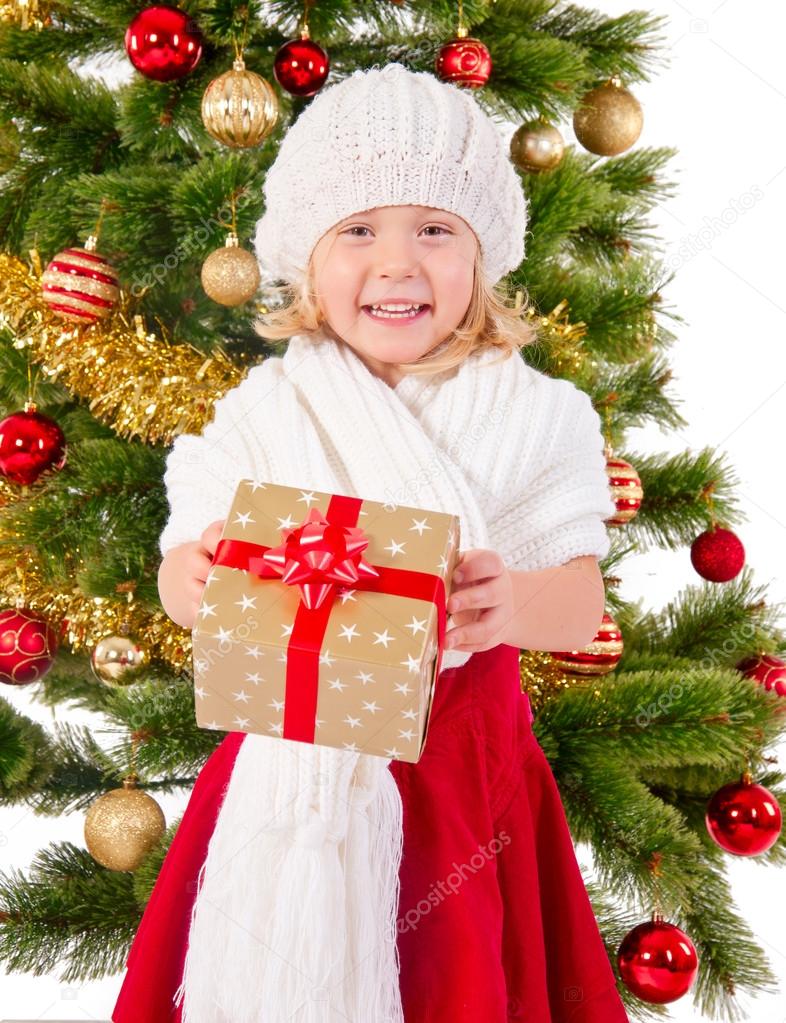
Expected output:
{"points": [[492, 320]]}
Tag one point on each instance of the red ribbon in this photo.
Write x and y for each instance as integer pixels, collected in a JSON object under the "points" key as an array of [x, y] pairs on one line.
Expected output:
{"points": [[308, 632]]}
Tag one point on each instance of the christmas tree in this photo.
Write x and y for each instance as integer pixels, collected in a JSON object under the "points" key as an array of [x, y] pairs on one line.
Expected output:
{"points": [[128, 298]]}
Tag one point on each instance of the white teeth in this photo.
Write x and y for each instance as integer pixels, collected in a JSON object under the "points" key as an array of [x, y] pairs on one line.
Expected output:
{"points": [[391, 309]]}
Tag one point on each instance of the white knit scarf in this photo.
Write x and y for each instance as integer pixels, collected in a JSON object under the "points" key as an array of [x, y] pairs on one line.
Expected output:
{"points": [[295, 914]]}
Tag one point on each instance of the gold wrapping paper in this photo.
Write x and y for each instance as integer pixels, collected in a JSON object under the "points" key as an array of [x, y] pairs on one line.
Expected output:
{"points": [[376, 668]]}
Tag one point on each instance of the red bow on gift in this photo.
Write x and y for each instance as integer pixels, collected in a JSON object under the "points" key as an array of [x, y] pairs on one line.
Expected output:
{"points": [[318, 555]]}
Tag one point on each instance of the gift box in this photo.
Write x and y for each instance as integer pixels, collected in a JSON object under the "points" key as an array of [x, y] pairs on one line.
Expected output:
{"points": [[323, 619]]}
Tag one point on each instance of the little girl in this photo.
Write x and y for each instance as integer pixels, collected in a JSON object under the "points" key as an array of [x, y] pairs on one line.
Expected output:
{"points": [[308, 884]]}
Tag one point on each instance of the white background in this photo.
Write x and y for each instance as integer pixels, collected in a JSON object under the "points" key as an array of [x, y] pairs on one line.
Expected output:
{"points": [[721, 102]]}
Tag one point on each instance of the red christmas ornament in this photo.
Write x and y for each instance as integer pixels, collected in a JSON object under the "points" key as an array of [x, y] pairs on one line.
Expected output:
{"points": [[80, 285], [766, 669], [597, 658], [626, 490], [163, 43], [464, 61], [319, 555], [30, 443], [744, 818], [657, 961], [301, 65], [717, 554], [28, 645]]}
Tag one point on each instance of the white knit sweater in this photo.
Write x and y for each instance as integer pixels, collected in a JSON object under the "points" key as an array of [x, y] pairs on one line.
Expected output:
{"points": [[518, 456], [545, 502]]}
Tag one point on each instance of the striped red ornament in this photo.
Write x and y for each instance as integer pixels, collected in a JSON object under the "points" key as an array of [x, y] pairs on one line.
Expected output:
{"points": [[597, 658], [626, 490], [80, 285]]}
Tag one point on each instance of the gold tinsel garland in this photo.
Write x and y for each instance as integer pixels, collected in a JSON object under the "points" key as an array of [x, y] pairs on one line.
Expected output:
{"points": [[543, 680], [25, 13], [86, 620], [563, 339], [140, 385]]}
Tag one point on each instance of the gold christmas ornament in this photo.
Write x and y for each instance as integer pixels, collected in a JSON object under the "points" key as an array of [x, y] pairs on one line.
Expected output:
{"points": [[122, 826], [537, 146], [608, 119], [230, 276], [116, 660], [239, 108]]}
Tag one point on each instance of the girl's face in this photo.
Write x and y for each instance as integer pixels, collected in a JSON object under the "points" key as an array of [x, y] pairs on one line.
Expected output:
{"points": [[401, 255]]}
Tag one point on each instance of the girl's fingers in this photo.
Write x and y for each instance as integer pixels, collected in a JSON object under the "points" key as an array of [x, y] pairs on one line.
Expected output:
{"points": [[482, 596], [475, 564], [212, 535], [478, 633]]}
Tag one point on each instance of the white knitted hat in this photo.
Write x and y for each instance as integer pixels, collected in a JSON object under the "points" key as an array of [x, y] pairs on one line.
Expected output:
{"points": [[390, 137]]}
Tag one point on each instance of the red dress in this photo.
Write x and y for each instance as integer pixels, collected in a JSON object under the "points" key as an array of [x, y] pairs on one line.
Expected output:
{"points": [[494, 923]]}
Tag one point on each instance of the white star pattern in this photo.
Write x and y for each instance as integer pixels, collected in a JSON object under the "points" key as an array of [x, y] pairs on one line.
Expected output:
{"points": [[243, 519], [409, 714], [409, 734], [246, 602], [201, 693], [443, 565], [276, 727], [395, 548], [402, 687], [223, 634], [350, 747], [420, 525], [208, 609], [211, 578], [336, 683], [384, 638], [392, 752], [348, 632], [352, 722], [212, 724], [254, 676], [277, 705], [286, 630], [411, 663], [253, 651], [200, 665], [325, 658], [242, 722], [242, 696], [307, 496], [417, 625], [346, 595], [372, 707], [256, 485], [287, 523], [365, 677]]}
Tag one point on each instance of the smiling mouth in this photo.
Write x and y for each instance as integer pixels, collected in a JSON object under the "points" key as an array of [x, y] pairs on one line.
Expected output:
{"points": [[383, 316]]}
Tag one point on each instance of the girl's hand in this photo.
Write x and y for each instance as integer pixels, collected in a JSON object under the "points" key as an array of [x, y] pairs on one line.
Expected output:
{"points": [[481, 603], [183, 573]]}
